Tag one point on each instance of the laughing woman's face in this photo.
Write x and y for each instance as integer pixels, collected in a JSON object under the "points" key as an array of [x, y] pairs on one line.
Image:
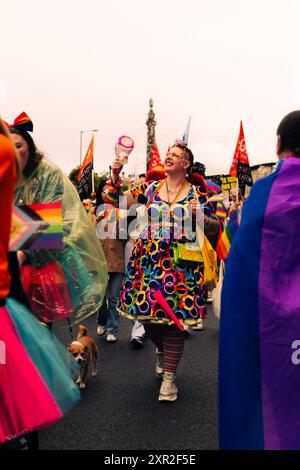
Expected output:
{"points": [[22, 149], [175, 160]]}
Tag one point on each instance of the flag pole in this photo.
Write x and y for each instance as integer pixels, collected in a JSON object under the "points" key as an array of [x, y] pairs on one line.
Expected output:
{"points": [[93, 171], [80, 157], [93, 181], [81, 133]]}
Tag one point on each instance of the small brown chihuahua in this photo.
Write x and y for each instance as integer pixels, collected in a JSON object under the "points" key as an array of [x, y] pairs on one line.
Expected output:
{"points": [[84, 350]]}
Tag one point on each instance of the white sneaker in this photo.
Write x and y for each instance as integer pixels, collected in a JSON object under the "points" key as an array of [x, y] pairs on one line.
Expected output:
{"points": [[198, 327], [168, 390], [101, 330], [110, 338]]}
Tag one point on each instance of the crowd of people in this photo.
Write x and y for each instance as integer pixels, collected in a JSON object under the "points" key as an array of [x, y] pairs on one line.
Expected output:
{"points": [[148, 253]]}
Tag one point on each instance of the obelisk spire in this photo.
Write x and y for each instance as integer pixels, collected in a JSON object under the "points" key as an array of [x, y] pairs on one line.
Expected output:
{"points": [[151, 123]]}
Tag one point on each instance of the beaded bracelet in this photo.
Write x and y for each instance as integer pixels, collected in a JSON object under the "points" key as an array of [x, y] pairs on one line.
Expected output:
{"points": [[115, 184]]}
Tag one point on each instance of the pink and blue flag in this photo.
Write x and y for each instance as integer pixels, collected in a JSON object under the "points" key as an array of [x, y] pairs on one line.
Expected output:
{"points": [[259, 374], [213, 187]]}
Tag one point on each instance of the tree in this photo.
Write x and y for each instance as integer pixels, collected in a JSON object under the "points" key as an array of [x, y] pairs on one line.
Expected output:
{"points": [[97, 179], [73, 175]]}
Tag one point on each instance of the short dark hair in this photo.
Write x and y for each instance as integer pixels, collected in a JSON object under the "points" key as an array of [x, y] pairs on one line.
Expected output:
{"points": [[289, 132], [199, 168], [99, 198], [142, 175]]}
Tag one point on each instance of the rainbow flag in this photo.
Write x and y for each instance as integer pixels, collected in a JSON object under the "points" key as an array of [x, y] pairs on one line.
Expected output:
{"points": [[37, 227], [221, 212], [228, 234], [259, 370]]}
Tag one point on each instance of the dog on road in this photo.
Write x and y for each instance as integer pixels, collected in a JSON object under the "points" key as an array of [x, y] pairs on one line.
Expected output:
{"points": [[84, 350]]}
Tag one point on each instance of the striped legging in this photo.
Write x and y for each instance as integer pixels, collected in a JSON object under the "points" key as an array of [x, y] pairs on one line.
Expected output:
{"points": [[170, 341]]}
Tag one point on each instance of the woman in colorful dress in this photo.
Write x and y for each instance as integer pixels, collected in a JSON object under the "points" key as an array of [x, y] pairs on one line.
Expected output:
{"points": [[173, 206], [70, 281], [36, 388]]}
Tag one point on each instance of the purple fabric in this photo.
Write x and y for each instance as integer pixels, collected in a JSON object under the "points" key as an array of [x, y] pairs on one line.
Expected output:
{"points": [[53, 241], [279, 293]]}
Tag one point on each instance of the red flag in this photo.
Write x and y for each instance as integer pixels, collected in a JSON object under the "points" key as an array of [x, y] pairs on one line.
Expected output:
{"points": [[156, 170], [240, 153], [240, 165]]}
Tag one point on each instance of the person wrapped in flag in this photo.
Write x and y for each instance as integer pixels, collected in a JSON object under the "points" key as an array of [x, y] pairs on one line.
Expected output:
{"points": [[259, 375], [36, 388], [66, 282]]}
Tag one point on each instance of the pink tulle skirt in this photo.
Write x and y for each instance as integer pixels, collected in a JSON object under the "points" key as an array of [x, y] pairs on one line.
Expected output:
{"points": [[25, 401], [36, 387]]}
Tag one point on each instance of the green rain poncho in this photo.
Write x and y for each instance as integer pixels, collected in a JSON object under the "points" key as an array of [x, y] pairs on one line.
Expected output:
{"points": [[71, 281]]}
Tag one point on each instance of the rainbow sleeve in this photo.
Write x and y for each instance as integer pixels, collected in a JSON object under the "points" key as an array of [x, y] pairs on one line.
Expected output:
{"points": [[113, 192]]}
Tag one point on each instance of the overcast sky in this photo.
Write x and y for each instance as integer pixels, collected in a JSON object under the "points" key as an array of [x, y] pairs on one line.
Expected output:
{"points": [[74, 65]]}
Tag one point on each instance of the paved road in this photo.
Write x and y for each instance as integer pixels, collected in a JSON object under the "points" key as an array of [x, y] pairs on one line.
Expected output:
{"points": [[119, 409]]}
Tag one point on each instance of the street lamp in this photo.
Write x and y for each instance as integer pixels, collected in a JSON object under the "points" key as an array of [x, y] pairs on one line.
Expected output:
{"points": [[83, 132]]}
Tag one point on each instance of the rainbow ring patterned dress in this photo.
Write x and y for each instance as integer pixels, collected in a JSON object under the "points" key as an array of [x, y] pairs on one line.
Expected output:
{"points": [[152, 265]]}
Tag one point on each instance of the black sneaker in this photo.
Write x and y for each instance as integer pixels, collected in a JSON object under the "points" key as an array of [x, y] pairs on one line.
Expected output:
{"points": [[186, 332], [136, 342]]}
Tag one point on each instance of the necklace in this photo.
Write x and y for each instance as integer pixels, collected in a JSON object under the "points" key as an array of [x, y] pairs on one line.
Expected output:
{"points": [[177, 193]]}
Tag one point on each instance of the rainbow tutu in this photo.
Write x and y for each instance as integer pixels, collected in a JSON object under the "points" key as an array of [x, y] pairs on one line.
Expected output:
{"points": [[36, 387]]}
